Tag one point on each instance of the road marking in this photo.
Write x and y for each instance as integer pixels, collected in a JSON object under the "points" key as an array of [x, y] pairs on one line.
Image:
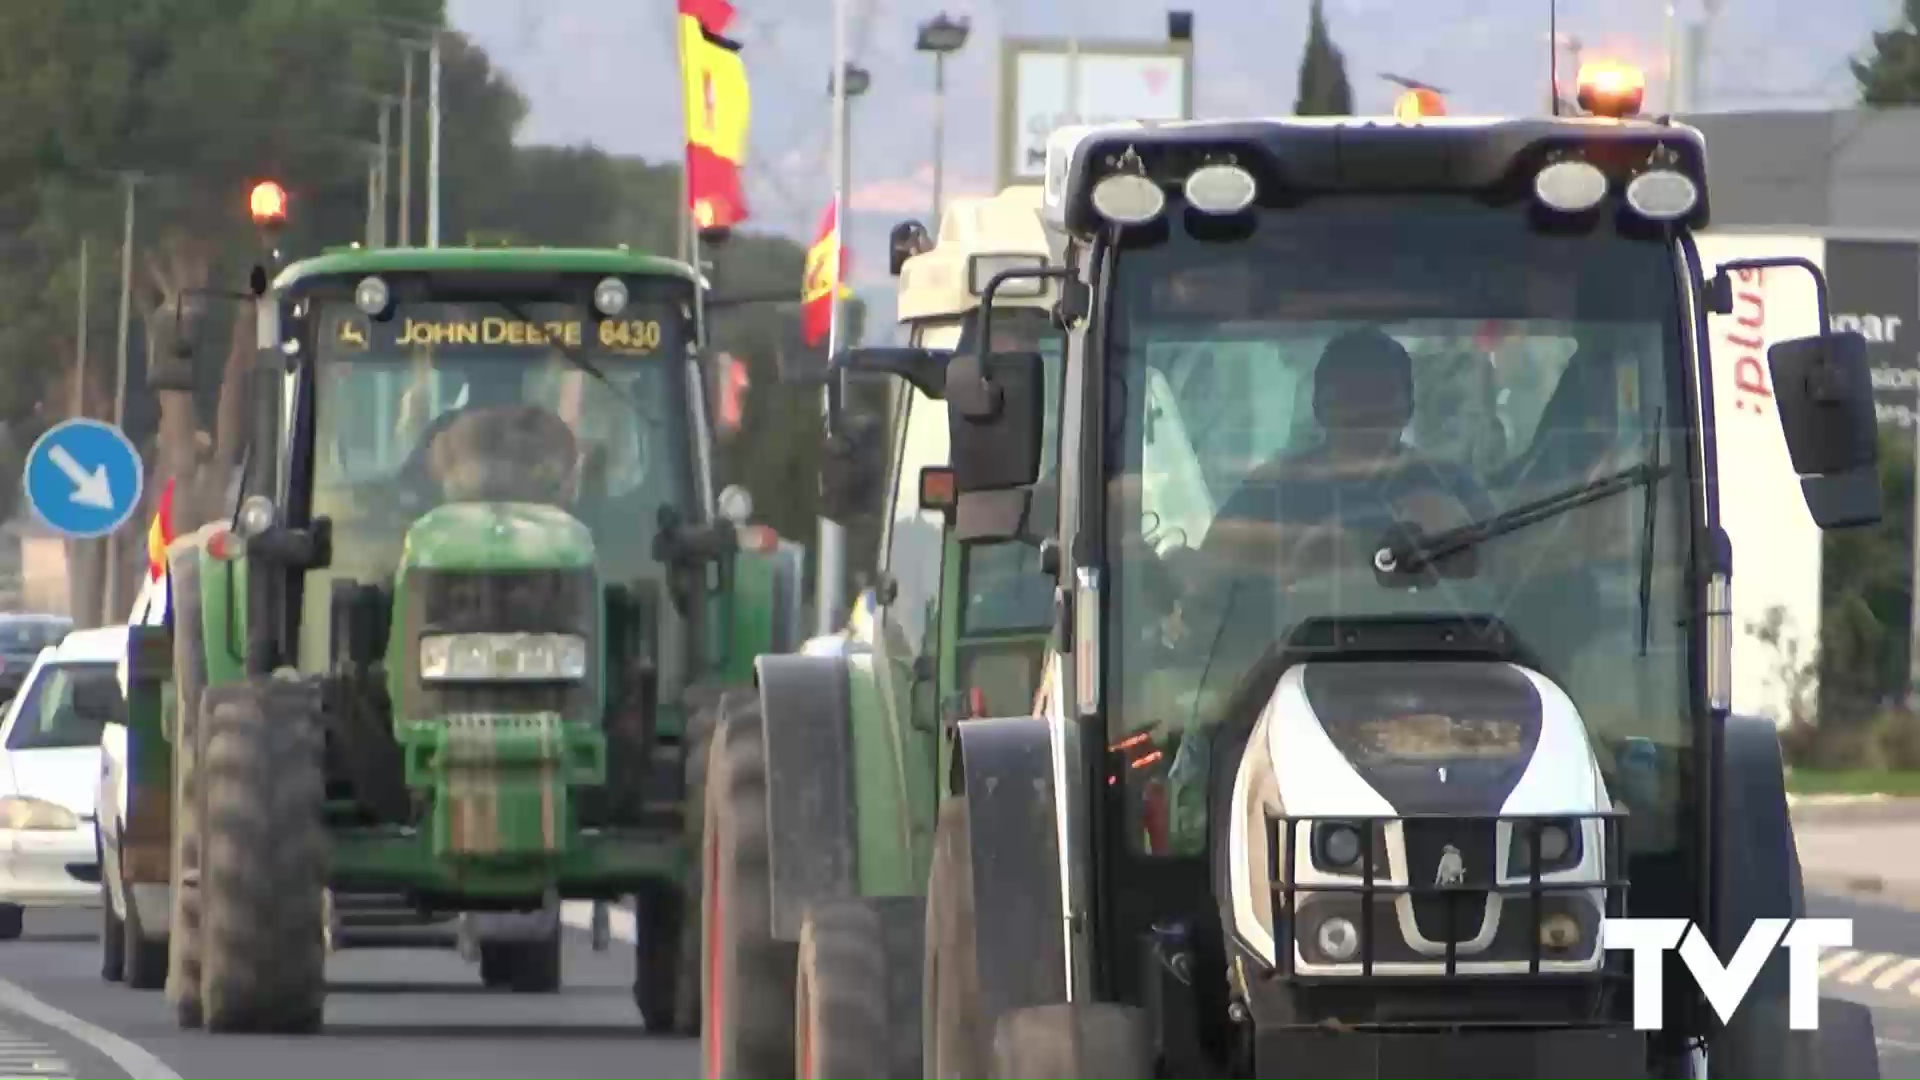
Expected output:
{"points": [[132, 1059], [1896, 974], [1834, 962], [1874, 962], [620, 922], [22, 1057]]}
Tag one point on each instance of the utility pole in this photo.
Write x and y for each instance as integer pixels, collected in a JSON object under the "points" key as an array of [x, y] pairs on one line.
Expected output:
{"points": [[433, 141], [373, 199], [404, 226], [80, 336], [942, 36], [831, 580], [130, 182], [380, 172]]}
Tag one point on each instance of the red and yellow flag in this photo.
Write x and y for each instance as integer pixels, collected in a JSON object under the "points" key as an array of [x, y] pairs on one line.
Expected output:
{"points": [[160, 533], [718, 105], [825, 276]]}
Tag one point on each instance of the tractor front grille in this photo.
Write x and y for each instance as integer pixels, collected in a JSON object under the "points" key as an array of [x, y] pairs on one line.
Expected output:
{"points": [[500, 601]]}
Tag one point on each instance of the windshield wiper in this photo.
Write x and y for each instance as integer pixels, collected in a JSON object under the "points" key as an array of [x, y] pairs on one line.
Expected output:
{"points": [[578, 359], [1424, 550], [1646, 541]]}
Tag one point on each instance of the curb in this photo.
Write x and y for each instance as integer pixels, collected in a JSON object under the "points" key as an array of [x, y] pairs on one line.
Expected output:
{"points": [[1867, 888]]}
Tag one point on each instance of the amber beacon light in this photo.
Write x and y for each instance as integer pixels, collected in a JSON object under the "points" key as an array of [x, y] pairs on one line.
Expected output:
{"points": [[267, 202], [1611, 88], [1418, 102]]}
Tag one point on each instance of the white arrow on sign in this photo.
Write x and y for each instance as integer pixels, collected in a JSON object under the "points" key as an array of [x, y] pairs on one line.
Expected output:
{"points": [[89, 488]]}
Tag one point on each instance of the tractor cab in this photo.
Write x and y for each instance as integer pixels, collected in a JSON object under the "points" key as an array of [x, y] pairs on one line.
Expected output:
{"points": [[1391, 659]]}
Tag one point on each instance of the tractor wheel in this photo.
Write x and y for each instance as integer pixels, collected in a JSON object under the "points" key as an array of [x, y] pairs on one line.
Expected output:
{"points": [[113, 956], [265, 864], [661, 976], [698, 741], [746, 1025], [144, 959], [183, 861], [953, 1039], [856, 996], [524, 967]]}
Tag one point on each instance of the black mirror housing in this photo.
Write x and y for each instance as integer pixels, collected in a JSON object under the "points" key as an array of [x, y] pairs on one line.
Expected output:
{"points": [[923, 369], [995, 420], [1824, 391], [904, 241]]}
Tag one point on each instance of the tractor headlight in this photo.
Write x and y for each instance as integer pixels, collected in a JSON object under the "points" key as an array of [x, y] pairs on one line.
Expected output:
{"points": [[372, 296], [503, 657], [21, 814], [1128, 199], [1663, 194], [610, 296]]}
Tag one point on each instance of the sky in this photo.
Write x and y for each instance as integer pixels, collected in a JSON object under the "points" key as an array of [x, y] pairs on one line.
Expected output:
{"points": [[605, 72]]}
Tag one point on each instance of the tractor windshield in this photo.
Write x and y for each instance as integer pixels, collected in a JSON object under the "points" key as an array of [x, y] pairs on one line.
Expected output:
{"points": [[497, 401], [1359, 375]]}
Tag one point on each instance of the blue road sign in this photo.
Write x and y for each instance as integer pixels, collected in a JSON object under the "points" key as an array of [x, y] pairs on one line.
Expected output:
{"points": [[83, 478]]}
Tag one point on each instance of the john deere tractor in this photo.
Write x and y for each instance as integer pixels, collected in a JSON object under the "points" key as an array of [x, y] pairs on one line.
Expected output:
{"points": [[449, 647]]}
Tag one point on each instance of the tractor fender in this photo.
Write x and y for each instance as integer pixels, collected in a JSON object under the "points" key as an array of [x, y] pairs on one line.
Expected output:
{"points": [[811, 838], [1759, 878], [1004, 768]]}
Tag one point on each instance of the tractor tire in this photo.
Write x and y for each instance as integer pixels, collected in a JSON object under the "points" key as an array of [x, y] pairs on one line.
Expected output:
{"points": [[113, 956], [524, 967], [1073, 1042], [265, 859], [13, 922], [857, 992], [662, 978], [953, 1035], [698, 743], [746, 1028], [144, 960], [183, 861]]}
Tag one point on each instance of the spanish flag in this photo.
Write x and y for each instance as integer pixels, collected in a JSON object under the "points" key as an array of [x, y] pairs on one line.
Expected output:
{"points": [[718, 104], [160, 533], [825, 275]]}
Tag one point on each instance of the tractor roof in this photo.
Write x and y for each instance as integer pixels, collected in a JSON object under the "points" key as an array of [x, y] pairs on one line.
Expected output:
{"points": [[998, 230], [1375, 155], [519, 260]]}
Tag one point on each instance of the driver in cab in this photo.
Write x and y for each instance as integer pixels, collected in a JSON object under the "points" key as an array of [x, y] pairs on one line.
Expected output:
{"points": [[1307, 516], [1328, 509]]}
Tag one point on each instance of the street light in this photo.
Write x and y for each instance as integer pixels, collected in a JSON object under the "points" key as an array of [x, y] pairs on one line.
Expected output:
{"points": [[942, 36]]}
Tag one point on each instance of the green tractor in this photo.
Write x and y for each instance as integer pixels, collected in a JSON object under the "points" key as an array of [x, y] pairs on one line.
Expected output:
{"points": [[458, 644], [815, 868]]}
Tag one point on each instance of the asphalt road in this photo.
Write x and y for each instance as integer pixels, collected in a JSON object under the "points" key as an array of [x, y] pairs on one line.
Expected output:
{"points": [[391, 1013], [422, 1013]]}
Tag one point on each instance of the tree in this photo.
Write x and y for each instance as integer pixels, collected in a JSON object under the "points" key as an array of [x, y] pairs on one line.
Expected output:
{"points": [[1324, 90], [1891, 75]]}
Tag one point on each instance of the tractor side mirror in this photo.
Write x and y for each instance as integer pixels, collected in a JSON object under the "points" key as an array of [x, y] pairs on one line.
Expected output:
{"points": [[904, 241], [994, 425], [1824, 391]]}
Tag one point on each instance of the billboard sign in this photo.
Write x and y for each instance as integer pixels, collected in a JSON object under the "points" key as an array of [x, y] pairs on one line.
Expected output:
{"points": [[1876, 290], [1760, 504], [1106, 82]]}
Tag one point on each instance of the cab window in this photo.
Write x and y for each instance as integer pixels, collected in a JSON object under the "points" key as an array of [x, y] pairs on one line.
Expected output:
{"points": [[915, 538]]}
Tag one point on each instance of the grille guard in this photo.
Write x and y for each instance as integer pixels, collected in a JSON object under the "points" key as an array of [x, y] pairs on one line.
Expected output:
{"points": [[1283, 831]]}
